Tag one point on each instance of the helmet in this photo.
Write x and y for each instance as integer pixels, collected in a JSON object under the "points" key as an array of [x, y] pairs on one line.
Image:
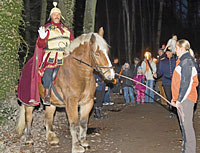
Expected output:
{"points": [[56, 10]]}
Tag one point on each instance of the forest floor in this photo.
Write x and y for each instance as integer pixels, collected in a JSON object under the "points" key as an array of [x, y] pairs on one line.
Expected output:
{"points": [[128, 129]]}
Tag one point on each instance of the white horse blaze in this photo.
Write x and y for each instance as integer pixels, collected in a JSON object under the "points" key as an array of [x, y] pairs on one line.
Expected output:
{"points": [[109, 63]]}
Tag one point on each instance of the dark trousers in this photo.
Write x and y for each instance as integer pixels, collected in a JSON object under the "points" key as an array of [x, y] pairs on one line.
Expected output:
{"points": [[99, 94], [168, 93], [115, 88], [49, 76]]}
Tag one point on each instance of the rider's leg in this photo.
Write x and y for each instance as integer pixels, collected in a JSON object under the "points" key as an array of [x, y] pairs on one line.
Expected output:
{"points": [[46, 81]]}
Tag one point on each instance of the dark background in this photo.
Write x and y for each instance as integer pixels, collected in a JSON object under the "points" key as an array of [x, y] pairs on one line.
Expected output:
{"points": [[180, 17]]}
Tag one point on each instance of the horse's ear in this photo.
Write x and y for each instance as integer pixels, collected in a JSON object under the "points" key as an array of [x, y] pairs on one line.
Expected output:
{"points": [[92, 39], [92, 42], [101, 31]]}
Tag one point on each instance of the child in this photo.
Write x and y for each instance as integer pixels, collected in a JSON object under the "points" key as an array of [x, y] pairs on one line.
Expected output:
{"points": [[140, 89], [99, 94]]}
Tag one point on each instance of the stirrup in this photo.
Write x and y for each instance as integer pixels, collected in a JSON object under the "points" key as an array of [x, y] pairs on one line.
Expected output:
{"points": [[47, 100]]}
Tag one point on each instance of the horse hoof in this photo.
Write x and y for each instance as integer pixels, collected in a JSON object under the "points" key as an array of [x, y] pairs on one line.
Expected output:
{"points": [[52, 139], [29, 142], [85, 144], [87, 148], [28, 139], [78, 149]]}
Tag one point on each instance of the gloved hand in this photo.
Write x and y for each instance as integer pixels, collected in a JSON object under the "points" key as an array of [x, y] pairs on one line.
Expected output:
{"points": [[42, 32]]}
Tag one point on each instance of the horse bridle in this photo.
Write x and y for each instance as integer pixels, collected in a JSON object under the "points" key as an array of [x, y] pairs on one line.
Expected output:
{"points": [[96, 67]]}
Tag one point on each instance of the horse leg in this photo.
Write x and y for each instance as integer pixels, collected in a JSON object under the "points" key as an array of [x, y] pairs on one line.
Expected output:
{"points": [[49, 116], [84, 115], [72, 113], [20, 126], [28, 119]]}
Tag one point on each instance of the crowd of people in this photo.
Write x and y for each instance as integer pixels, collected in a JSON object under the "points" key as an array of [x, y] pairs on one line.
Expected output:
{"points": [[154, 73], [174, 74]]}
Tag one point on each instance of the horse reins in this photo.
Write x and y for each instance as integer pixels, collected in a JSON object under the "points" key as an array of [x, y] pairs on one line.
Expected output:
{"points": [[96, 67], [99, 68], [82, 62]]}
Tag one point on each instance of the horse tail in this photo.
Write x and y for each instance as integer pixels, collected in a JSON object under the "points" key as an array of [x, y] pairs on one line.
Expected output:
{"points": [[21, 121]]}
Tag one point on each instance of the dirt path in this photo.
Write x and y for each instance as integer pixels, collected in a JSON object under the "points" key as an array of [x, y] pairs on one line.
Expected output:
{"points": [[129, 129]]}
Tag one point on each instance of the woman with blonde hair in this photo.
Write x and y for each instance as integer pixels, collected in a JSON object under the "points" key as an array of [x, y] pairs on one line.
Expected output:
{"points": [[184, 93]]}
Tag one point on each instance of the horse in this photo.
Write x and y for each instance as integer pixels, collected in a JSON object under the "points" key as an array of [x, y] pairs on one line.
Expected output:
{"points": [[76, 86]]}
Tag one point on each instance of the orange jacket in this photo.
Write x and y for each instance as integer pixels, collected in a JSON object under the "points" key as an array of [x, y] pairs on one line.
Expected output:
{"points": [[184, 79]]}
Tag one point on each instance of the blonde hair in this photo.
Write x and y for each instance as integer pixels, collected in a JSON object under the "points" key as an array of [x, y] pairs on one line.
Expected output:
{"points": [[185, 44]]}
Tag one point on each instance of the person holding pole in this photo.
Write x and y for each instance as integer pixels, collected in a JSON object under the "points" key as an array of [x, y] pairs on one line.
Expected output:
{"points": [[184, 93]]}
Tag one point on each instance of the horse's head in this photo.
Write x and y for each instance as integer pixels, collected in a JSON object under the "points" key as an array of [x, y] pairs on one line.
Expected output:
{"points": [[99, 53]]}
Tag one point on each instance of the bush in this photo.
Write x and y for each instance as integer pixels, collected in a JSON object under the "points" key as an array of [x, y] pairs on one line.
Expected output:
{"points": [[10, 41]]}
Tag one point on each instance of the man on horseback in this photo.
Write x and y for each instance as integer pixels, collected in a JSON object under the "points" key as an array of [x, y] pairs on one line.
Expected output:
{"points": [[53, 38]]}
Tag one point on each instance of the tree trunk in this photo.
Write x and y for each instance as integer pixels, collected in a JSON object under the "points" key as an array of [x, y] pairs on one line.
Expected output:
{"points": [[67, 9], [119, 36], [125, 34], [153, 25], [142, 27], [128, 33], [108, 22], [134, 34], [180, 10], [149, 23], [159, 25], [27, 21], [43, 13], [89, 16]]}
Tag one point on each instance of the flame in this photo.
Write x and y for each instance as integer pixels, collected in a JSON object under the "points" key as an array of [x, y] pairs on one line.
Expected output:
{"points": [[147, 55]]}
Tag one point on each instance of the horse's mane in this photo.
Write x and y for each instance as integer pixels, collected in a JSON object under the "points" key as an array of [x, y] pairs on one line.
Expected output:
{"points": [[86, 38]]}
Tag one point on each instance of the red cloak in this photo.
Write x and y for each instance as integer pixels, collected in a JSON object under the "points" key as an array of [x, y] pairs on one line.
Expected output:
{"points": [[27, 91]]}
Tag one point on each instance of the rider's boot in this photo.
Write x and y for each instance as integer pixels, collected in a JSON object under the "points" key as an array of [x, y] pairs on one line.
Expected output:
{"points": [[47, 97]]}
